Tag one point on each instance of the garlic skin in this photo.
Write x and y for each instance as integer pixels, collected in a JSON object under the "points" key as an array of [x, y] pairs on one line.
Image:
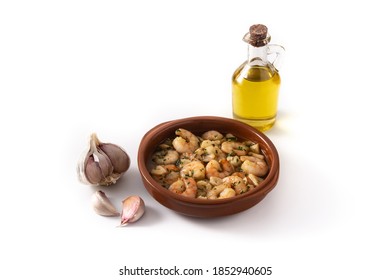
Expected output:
{"points": [[102, 205], [133, 207], [102, 163]]}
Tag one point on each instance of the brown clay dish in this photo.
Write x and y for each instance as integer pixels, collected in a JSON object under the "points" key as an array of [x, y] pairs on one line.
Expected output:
{"points": [[204, 208]]}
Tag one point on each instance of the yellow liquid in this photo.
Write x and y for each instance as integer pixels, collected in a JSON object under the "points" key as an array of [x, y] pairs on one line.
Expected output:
{"points": [[255, 95]]}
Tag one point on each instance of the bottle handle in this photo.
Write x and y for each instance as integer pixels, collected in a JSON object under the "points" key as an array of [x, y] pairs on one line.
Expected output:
{"points": [[273, 52]]}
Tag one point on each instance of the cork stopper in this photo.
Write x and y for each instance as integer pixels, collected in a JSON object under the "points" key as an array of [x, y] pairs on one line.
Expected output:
{"points": [[258, 35]]}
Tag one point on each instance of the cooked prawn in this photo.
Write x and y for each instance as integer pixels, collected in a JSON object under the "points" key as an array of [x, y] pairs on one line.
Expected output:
{"points": [[215, 181], [237, 148], [185, 158], [215, 191], [237, 183], [165, 157], [206, 143], [165, 174], [256, 167], [212, 135], [252, 157], [184, 186], [221, 191], [185, 142], [215, 169], [209, 150], [194, 169], [227, 192]]}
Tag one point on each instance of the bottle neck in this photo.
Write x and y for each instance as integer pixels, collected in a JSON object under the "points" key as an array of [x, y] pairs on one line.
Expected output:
{"points": [[257, 55]]}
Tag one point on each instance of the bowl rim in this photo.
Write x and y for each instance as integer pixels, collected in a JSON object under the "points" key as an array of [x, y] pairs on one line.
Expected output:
{"points": [[264, 189]]}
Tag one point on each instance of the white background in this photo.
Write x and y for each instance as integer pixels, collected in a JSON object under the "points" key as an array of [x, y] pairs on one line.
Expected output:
{"points": [[117, 68]]}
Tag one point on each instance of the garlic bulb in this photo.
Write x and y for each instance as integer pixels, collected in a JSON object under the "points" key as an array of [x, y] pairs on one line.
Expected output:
{"points": [[132, 210], [102, 205], [102, 163]]}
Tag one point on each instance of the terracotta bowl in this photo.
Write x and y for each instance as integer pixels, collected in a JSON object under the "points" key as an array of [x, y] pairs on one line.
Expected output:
{"points": [[204, 208]]}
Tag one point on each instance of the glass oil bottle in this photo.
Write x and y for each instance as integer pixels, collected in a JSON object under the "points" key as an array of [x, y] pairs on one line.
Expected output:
{"points": [[255, 84]]}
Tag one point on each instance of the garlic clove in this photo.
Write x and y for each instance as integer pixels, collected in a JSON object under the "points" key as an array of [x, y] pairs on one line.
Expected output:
{"points": [[119, 159], [81, 168], [102, 205], [97, 168], [133, 207]]}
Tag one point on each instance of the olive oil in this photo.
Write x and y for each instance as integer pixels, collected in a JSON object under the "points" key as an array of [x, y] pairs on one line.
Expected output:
{"points": [[255, 95], [255, 84]]}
